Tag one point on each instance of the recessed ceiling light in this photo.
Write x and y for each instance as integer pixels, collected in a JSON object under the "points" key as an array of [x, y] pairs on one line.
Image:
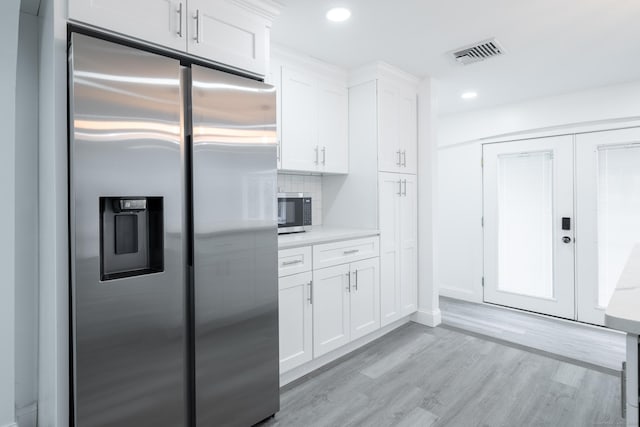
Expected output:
{"points": [[469, 95], [338, 14]]}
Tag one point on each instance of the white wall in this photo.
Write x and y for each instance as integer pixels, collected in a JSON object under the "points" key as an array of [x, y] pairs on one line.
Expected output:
{"points": [[428, 305], [9, 19], [460, 136], [610, 103], [53, 380], [459, 239], [26, 223]]}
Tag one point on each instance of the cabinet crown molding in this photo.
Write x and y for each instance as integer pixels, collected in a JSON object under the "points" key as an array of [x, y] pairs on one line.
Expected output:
{"points": [[268, 9], [381, 70], [291, 58]]}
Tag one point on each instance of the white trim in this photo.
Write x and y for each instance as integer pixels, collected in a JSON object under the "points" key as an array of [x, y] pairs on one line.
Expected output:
{"points": [[379, 69], [268, 9], [427, 318], [11, 425], [307, 368], [305, 63], [568, 129]]}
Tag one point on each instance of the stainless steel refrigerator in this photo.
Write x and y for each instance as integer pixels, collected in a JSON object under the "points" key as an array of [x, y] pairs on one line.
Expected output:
{"points": [[173, 242]]}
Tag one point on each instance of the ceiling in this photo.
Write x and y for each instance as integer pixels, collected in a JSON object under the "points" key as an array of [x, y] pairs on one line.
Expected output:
{"points": [[552, 46]]}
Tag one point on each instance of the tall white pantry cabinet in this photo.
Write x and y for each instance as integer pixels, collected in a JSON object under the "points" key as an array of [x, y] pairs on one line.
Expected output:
{"points": [[383, 146]]}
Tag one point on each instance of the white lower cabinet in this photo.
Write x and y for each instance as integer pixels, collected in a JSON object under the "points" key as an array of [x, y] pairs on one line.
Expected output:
{"points": [[323, 309], [346, 304], [398, 246], [295, 319], [365, 297], [331, 308]]}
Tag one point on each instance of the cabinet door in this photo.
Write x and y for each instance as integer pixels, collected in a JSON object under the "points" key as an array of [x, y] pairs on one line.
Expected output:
{"points": [[300, 149], [333, 127], [389, 211], [224, 32], [408, 131], [331, 290], [295, 319], [409, 245], [162, 22], [365, 297], [389, 151]]}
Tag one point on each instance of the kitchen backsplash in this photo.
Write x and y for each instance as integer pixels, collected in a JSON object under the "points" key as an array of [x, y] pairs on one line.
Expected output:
{"points": [[304, 184]]}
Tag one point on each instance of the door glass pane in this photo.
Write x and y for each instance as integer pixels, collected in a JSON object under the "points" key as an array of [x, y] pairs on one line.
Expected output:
{"points": [[525, 224], [618, 214]]}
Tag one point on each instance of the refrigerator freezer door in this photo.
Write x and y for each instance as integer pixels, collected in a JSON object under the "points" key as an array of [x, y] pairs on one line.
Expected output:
{"points": [[235, 249], [125, 166]]}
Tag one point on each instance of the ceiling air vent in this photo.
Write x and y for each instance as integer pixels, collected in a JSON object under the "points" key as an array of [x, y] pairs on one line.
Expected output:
{"points": [[478, 52]]}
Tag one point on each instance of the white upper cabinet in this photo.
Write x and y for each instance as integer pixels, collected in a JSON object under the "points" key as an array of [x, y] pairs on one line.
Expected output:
{"points": [[158, 21], [397, 127], [314, 111], [230, 32], [333, 127], [226, 32], [299, 123]]}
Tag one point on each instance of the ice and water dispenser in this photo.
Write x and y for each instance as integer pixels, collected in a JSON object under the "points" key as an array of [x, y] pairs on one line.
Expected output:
{"points": [[131, 236]]}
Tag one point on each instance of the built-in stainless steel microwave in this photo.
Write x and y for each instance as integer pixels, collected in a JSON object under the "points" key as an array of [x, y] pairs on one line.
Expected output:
{"points": [[294, 212]]}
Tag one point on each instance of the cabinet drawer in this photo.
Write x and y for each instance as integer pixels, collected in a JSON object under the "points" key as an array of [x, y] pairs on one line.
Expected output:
{"points": [[344, 252], [294, 261]]}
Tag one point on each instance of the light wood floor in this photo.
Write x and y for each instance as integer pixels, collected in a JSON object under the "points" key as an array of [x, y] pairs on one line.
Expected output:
{"points": [[592, 345], [420, 376]]}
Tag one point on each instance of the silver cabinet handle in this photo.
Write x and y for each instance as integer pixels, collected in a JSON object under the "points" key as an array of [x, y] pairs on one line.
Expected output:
{"points": [[197, 18], [297, 261], [179, 11], [404, 158], [399, 187], [356, 281], [351, 251], [324, 155], [317, 162], [349, 282], [310, 299], [623, 390], [278, 151], [399, 162], [404, 193]]}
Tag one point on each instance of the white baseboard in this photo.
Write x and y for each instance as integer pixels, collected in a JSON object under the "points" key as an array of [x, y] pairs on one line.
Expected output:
{"points": [[428, 318], [307, 368], [10, 425]]}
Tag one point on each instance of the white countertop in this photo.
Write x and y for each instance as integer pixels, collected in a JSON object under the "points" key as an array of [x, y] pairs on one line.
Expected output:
{"points": [[323, 234], [623, 312]]}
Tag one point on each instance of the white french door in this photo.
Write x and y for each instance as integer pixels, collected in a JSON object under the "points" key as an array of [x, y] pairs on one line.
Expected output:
{"points": [[608, 203], [529, 225]]}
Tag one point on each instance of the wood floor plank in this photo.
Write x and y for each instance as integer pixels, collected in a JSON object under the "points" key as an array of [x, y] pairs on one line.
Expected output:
{"points": [[589, 344], [419, 376]]}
